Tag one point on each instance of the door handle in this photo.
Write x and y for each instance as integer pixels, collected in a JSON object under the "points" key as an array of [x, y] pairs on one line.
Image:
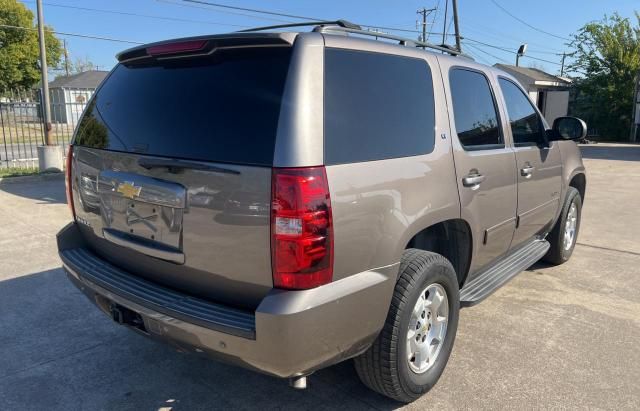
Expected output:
{"points": [[526, 171], [473, 180]]}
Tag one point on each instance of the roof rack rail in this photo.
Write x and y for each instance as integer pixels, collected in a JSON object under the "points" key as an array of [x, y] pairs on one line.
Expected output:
{"points": [[346, 27], [339, 23], [402, 40]]}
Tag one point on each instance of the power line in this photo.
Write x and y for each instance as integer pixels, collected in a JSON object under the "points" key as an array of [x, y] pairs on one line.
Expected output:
{"points": [[271, 13], [486, 52], [179, 3], [300, 17], [509, 37], [274, 13], [509, 51], [61, 33], [435, 15], [479, 57], [502, 35], [527, 24], [449, 26], [124, 13]]}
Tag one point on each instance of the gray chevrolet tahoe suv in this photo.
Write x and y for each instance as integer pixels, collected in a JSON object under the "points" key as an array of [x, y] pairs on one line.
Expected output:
{"points": [[287, 201]]}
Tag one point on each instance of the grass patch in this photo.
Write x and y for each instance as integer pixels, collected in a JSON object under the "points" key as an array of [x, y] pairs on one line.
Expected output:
{"points": [[18, 171]]}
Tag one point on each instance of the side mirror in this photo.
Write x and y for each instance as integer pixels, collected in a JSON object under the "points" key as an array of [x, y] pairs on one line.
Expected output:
{"points": [[568, 128]]}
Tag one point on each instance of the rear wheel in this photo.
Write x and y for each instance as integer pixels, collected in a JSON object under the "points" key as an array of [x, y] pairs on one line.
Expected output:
{"points": [[564, 235], [410, 353]]}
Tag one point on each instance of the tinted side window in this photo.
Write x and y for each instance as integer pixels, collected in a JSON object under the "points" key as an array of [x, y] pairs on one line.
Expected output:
{"points": [[523, 118], [474, 110], [377, 106]]}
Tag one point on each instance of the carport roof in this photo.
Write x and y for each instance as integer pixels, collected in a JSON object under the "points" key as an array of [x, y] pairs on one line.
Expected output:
{"points": [[86, 79], [534, 76]]}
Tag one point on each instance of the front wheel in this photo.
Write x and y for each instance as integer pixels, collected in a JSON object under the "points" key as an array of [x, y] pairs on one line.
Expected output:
{"points": [[410, 354], [564, 235]]}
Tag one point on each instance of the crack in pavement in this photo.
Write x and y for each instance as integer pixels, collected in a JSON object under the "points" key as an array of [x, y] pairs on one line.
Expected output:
{"points": [[609, 249]]}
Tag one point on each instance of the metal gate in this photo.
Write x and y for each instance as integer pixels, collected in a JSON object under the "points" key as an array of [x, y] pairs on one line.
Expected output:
{"points": [[22, 123]]}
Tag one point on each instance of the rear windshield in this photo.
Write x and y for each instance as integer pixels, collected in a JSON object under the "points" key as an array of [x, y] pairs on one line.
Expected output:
{"points": [[223, 107]]}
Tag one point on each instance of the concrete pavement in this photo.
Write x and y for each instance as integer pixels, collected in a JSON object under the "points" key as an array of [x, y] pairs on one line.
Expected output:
{"points": [[563, 336]]}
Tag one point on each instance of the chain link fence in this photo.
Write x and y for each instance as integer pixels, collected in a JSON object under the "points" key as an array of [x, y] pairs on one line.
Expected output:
{"points": [[22, 122]]}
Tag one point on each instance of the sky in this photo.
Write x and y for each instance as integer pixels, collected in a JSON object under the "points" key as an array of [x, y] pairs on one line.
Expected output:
{"points": [[502, 25]]}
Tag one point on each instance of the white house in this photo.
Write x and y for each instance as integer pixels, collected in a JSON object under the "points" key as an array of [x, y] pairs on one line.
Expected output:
{"points": [[69, 95], [550, 93]]}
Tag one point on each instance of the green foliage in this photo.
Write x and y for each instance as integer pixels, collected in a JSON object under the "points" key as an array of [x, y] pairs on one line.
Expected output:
{"points": [[17, 171], [19, 52], [607, 60]]}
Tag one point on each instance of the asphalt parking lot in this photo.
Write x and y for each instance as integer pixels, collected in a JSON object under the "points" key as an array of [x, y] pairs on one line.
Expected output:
{"points": [[566, 337]]}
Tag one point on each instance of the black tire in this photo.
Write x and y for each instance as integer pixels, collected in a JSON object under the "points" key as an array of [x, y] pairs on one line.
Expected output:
{"points": [[383, 367], [557, 253]]}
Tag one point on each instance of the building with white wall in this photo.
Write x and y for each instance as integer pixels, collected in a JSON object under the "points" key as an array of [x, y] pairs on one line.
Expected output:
{"points": [[547, 91], [69, 95]]}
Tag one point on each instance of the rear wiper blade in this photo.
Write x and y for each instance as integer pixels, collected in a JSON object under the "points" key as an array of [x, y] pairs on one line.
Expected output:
{"points": [[176, 165]]}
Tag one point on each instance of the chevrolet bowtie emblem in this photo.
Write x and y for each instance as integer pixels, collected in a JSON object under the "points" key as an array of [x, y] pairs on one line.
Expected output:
{"points": [[128, 189]]}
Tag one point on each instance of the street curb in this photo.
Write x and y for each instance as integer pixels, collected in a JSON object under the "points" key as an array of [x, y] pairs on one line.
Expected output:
{"points": [[31, 179]]}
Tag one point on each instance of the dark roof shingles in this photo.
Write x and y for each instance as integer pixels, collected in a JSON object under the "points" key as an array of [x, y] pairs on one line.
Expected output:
{"points": [[533, 73], [87, 79]]}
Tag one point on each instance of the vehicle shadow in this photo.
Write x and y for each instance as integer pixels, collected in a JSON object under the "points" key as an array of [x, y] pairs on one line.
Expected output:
{"points": [[60, 352], [49, 190], [611, 152], [539, 265]]}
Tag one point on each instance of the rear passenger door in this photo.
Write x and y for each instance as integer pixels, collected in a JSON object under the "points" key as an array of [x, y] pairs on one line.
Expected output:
{"points": [[484, 164], [539, 165]]}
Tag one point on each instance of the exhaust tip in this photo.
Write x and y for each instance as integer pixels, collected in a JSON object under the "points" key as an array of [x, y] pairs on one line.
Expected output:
{"points": [[299, 383]]}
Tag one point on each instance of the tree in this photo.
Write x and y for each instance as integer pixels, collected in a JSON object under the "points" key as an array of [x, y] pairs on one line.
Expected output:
{"points": [[19, 52], [605, 66], [80, 65]]}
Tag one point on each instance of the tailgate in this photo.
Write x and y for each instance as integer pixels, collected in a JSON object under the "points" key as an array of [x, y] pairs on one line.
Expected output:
{"points": [[172, 171]]}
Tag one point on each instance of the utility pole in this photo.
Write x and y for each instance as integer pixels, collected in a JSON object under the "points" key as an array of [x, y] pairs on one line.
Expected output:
{"points": [[373, 30], [444, 24], [66, 57], [425, 12], [45, 81], [564, 56], [456, 24]]}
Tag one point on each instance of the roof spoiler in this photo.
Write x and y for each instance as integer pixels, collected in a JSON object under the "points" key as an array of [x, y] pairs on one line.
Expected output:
{"points": [[202, 45], [339, 23]]}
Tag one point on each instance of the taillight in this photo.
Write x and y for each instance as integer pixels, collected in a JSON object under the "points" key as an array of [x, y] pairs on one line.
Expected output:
{"points": [[67, 181], [301, 228]]}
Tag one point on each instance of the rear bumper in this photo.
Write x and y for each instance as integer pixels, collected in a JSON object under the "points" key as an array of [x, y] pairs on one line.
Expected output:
{"points": [[290, 333]]}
